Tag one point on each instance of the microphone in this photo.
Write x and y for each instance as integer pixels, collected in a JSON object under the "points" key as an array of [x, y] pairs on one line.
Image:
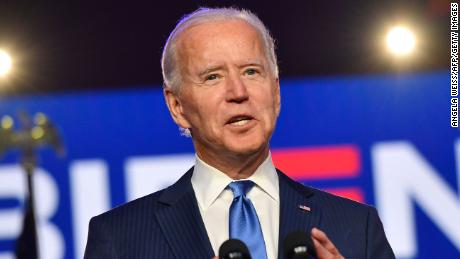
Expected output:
{"points": [[298, 245], [234, 249]]}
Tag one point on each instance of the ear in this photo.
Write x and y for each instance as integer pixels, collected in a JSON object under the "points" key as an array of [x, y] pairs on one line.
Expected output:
{"points": [[175, 108], [277, 97]]}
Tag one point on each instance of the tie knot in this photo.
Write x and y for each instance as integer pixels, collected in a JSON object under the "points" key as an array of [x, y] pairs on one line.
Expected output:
{"points": [[241, 188]]}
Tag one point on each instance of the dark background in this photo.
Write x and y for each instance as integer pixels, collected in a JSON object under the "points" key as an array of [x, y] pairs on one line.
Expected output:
{"points": [[95, 45]]}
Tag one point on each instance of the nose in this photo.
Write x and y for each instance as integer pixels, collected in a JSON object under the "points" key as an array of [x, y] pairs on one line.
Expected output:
{"points": [[237, 91]]}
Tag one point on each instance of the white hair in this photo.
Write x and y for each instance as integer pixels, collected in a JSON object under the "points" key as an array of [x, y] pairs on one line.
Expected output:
{"points": [[169, 60]]}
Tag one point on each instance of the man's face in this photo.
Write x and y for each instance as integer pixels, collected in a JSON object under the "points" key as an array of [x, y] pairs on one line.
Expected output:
{"points": [[229, 97]]}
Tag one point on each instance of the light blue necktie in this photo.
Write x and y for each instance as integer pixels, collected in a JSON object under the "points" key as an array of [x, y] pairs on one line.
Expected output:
{"points": [[244, 223]]}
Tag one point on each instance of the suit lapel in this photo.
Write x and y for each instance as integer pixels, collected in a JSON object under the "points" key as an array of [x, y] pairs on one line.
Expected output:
{"points": [[183, 227], [293, 218], [181, 222]]}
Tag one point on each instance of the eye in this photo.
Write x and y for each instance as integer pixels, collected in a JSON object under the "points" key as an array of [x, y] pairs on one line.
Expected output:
{"points": [[251, 71], [212, 77]]}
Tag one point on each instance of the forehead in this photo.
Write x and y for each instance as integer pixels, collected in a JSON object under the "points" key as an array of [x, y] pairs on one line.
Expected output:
{"points": [[209, 29], [220, 39]]}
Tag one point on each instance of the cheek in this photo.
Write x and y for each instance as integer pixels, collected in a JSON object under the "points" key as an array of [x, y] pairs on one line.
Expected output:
{"points": [[270, 112], [204, 114], [270, 105]]}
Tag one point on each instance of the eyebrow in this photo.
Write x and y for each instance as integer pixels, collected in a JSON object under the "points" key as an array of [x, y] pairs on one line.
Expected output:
{"points": [[254, 63]]}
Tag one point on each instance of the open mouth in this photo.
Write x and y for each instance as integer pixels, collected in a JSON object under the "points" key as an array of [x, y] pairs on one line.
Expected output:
{"points": [[239, 120]]}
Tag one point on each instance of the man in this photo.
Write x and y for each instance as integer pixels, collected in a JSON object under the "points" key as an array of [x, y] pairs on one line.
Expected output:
{"points": [[222, 87]]}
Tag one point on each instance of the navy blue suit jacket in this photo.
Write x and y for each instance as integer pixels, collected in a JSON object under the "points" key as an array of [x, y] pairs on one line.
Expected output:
{"points": [[167, 224]]}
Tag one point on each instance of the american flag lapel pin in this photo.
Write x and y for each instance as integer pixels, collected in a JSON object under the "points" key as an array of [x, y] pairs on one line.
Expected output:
{"points": [[304, 208]]}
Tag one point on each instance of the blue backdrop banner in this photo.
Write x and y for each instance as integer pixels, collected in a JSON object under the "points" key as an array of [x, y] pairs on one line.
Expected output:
{"points": [[384, 140]]}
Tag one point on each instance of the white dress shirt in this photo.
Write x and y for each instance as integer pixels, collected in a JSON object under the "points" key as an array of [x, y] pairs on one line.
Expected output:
{"points": [[214, 200]]}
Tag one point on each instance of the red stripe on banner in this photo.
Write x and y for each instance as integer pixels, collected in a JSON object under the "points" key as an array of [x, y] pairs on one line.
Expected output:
{"points": [[352, 193], [318, 163]]}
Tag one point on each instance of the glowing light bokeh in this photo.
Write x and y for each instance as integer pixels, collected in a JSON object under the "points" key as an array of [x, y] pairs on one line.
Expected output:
{"points": [[5, 63], [400, 41]]}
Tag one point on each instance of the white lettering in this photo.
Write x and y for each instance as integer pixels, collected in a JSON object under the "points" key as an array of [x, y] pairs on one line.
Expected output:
{"points": [[13, 184], [145, 175], [7, 255], [51, 242], [401, 175], [90, 197]]}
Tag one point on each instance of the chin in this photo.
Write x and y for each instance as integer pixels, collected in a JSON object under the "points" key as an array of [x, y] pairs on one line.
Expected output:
{"points": [[247, 147]]}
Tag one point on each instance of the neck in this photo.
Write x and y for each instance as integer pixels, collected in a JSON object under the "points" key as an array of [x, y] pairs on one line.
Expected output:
{"points": [[236, 166]]}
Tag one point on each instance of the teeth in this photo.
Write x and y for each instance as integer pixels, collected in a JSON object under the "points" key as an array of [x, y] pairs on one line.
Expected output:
{"points": [[240, 123]]}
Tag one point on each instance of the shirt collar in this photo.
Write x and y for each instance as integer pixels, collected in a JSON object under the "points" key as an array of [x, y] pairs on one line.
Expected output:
{"points": [[266, 178], [208, 182]]}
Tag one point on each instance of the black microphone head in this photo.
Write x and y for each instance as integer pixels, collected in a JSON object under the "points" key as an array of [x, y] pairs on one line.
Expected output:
{"points": [[298, 245], [234, 249]]}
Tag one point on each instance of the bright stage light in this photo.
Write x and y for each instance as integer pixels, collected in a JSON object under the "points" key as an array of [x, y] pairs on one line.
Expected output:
{"points": [[400, 41], [5, 63]]}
